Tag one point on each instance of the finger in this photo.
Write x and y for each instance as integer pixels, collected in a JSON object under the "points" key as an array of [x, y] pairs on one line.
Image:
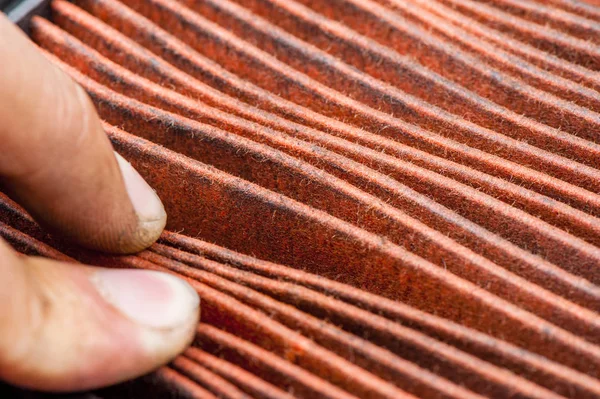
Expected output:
{"points": [[66, 327], [57, 161]]}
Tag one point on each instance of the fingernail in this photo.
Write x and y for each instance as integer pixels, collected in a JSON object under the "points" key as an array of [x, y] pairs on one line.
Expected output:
{"points": [[148, 298], [146, 203]]}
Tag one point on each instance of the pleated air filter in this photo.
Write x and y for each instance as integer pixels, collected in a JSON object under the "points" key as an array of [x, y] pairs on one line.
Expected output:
{"points": [[374, 198]]}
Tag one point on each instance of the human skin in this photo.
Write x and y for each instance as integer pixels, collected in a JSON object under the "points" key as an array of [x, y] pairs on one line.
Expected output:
{"points": [[68, 327]]}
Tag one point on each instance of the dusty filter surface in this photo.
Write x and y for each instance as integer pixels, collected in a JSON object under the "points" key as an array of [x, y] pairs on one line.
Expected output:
{"points": [[374, 198]]}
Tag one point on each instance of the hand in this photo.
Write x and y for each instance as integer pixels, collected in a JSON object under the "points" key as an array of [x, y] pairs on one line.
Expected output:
{"points": [[66, 327]]}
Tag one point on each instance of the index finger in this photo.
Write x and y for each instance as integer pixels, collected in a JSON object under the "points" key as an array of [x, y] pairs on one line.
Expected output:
{"points": [[58, 163]]}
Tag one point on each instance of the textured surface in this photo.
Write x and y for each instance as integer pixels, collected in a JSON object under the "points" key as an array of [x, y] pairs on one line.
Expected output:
{"points": [[408, 190]]}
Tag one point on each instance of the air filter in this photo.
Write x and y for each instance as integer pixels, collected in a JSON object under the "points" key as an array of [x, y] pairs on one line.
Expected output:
{"points": [[374, 198]]}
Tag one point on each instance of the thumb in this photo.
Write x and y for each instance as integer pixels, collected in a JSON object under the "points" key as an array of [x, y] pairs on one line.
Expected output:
{"points": [[67, 327]]}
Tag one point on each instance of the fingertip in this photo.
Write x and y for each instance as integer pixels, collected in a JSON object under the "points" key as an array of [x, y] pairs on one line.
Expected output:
{"points": [[145, 201], [165, 310], [86, 328], [149, 298], [149, 209]]}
